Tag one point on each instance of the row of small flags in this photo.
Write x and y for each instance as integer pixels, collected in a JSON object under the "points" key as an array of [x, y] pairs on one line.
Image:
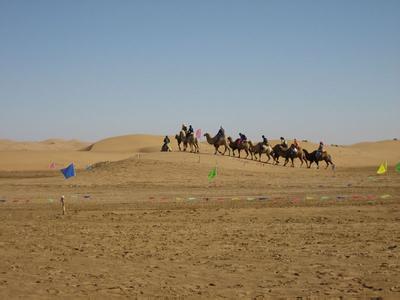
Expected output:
{"points": [[252, 198], [383, 168]]}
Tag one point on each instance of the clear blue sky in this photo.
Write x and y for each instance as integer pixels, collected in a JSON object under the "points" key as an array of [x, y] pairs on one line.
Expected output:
{"points": [[313, 70]]}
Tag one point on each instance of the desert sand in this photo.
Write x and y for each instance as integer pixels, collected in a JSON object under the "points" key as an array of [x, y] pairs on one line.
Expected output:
{"points": [[146, 224]]}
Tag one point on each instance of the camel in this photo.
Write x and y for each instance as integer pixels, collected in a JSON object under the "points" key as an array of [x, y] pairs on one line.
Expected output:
{"points": [[288, 153], [259, 149], [193, 143], [217, 142], [312, 157], [236, 145], [181, 138]]}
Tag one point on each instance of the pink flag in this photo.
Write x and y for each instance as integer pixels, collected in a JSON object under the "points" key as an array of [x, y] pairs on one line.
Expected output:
{"points": [[198, 133], [52, 165]]}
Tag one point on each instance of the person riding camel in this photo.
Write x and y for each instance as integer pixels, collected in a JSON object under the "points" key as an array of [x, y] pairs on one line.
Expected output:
{"points": [[284, 143], [243, 138], [320, 150], [184, 128], [190, 130], [296, 145], [265, 140], [221, 133]]}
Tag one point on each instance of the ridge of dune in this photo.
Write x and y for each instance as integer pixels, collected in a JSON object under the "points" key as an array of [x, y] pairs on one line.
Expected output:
{"points": [[46, 145], [129, 143]]}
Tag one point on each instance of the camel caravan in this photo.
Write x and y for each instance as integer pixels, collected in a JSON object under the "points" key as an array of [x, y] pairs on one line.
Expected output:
{"points": [[223, 144]]}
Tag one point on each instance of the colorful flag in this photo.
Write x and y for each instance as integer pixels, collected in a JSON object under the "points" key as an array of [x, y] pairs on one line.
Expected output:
{"points": [[398, 167], [382, 168], [52, 165], [212, 174], [68, 171], [198, 134]]}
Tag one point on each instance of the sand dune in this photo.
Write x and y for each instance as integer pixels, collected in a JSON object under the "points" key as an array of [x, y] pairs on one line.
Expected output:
{"points": [[38, 155], [50, 144]]}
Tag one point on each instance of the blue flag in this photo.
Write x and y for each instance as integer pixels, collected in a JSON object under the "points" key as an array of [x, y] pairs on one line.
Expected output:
{"points": [[68, 171]]}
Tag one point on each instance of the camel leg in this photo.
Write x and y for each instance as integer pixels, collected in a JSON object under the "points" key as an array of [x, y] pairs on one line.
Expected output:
{"points": [[286, 161], [229, 151], [292, 162], [247, 153], [216, 149], [327, 164], [317, 164]]}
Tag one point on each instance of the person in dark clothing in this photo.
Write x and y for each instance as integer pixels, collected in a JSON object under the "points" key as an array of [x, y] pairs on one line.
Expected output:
{"points": [[221, 132], [190, 130], [283, 142], [265, 140], [243, 138], [167, 140]]}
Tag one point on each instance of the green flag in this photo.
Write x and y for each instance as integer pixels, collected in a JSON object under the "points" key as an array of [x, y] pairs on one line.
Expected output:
{"points": [[398, 167], [212, 173]]}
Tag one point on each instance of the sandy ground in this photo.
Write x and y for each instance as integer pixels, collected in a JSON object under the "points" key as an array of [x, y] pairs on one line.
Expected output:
{"points": [[147, 224]]}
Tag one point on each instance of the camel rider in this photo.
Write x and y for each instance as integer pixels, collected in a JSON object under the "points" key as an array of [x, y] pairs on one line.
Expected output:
{"points": [[283, 142], [184, 128], [265, 140], [243, 138], [190, 130], [320, 150], [296, 145], [167, 140], [221, 132]]}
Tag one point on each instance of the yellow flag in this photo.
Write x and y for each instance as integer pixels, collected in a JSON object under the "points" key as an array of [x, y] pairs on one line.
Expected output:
{"points": [[382, 168]]}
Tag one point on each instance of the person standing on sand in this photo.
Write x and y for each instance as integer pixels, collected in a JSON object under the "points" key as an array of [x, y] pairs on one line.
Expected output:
{"points": [[62, 200]]}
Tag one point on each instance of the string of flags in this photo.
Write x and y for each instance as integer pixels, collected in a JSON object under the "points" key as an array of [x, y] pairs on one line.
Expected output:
{"points": [[294, 199]]}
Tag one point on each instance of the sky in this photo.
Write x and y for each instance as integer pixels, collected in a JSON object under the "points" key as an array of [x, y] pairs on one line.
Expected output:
{"points": [[315, 70]]}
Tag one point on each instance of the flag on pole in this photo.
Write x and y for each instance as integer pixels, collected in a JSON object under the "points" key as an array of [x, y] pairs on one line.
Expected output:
{"points": [[398, 167], [382, 168], [198, 134], [68, 171], [212, 173]]}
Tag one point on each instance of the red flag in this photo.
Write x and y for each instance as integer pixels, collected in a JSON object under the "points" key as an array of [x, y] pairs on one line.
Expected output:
{"points": [[198, 133]]}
